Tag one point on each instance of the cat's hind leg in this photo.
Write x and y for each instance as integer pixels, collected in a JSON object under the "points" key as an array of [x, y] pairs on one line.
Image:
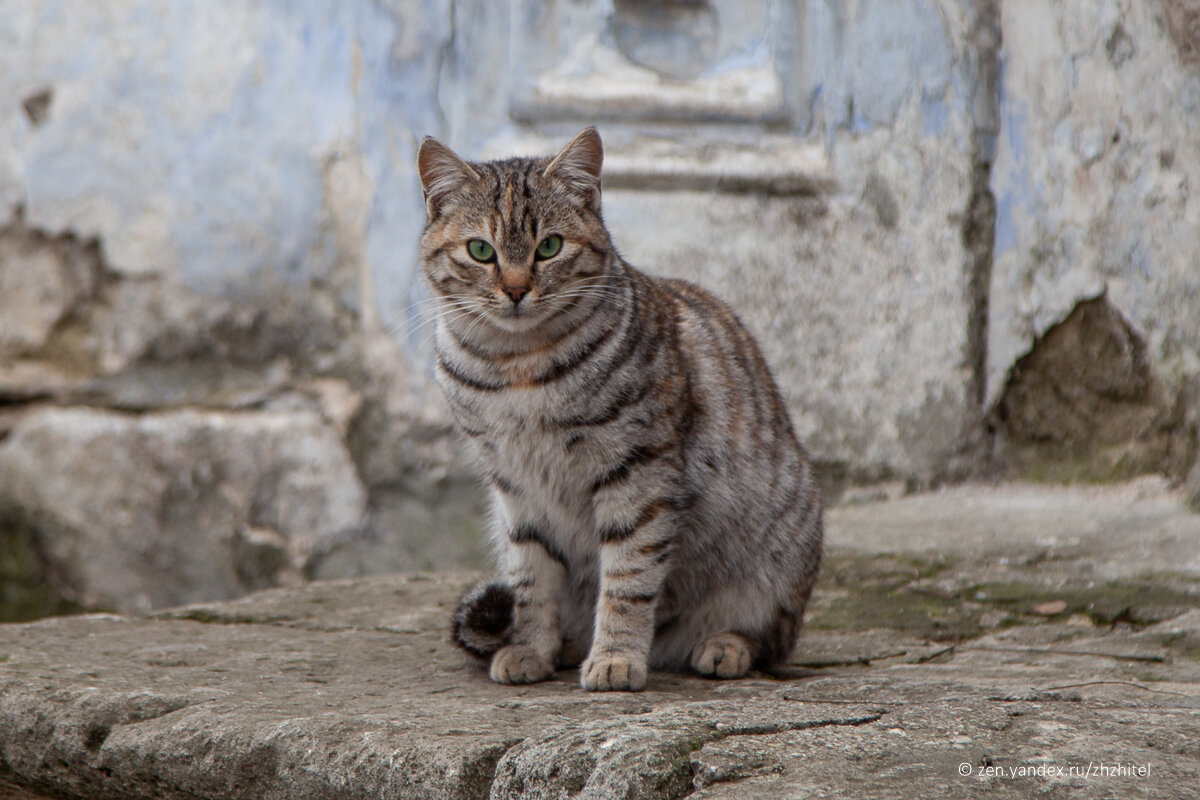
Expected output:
{"points": [[724, 655], [734, 630]]}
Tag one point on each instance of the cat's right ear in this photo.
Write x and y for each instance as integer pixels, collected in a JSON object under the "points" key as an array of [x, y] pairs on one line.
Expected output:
{"points": [[442, 173]]}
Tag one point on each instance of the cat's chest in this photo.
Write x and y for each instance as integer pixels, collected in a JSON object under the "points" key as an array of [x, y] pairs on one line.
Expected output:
{"points": [[536, 461]]}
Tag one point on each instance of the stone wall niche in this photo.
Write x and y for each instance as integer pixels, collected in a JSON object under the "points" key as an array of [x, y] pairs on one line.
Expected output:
{"points": [[675, 38], [644, 60]]}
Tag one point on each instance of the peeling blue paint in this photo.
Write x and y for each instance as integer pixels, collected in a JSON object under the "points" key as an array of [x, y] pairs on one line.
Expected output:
{"points": [[238, 147], [1019, 190], [935, 115], [1006, 226], [894, 49], [1013, 119]]}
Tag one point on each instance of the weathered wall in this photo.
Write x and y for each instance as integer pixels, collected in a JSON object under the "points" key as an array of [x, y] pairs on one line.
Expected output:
{"points": [[1095, 176], [208, 217], [212, 210], [829, 206]]}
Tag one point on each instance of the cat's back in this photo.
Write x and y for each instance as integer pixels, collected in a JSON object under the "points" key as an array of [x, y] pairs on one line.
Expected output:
{"points": [[744, 462], [737, 399]]}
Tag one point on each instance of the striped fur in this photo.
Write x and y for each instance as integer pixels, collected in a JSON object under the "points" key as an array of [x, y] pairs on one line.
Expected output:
{"points": [[652, 505]]}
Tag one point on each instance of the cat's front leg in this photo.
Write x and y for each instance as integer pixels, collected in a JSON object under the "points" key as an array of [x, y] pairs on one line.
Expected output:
{"points": [[536, 570], [637, 537]]}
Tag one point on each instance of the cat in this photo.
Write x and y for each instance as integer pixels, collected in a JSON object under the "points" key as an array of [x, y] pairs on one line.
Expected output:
{"points": [[652, 506]]}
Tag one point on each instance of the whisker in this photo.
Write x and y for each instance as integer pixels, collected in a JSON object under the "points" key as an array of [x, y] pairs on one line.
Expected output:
{"points": [[588, 293], [434, 313], [424, 313], [591, 294], [474, 323], [418, 323]]}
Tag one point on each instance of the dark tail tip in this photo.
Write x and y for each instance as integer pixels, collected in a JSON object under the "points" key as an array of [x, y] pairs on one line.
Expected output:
{"points": [[483, 620]]}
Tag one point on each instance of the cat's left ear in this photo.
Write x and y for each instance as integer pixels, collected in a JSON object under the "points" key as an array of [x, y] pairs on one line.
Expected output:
{"points": [[578, 165]]}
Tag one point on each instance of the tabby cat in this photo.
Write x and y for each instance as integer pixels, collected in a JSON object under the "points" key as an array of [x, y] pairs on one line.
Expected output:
{"points": [[652, 505]]}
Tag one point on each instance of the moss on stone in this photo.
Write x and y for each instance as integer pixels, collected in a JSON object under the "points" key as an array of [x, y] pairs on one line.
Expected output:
{"points": [[1184, 645], [675, 776], [25, 592], [904, 610], [865, 592], [1139, 602], [886, 570]]}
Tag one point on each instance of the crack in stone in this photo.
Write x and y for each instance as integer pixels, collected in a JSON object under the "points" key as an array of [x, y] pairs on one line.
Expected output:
{"points": [[801, 725], [720, 733], [97, 730], [480, 774], [979, 223]]}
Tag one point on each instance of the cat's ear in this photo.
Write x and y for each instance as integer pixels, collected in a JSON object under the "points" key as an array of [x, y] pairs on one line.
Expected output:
{"points": [[578, 165], [442, 173]]}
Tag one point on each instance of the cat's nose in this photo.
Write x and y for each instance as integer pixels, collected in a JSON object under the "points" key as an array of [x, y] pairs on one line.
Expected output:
{"points": [[516, 291]]}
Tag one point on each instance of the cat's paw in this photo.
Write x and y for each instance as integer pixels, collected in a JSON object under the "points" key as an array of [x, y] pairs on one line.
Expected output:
{"points": [[517, 663], [725, 655], [613, 673]]}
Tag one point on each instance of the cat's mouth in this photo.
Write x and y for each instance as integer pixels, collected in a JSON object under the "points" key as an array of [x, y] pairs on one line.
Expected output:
{"points": [[517, 318]]}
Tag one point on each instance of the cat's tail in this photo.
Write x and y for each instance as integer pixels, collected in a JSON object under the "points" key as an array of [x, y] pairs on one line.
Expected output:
{"points": [[483, 621]]}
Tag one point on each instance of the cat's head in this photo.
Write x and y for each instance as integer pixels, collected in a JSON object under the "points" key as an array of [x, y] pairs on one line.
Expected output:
{"points": [[514, 241]]}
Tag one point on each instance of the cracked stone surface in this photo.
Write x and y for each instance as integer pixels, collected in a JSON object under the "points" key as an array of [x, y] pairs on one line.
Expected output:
{"points": [[1011, 632]]}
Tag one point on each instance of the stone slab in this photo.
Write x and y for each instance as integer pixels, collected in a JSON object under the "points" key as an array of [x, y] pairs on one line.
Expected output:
{"points": [[1119, 531], [350, 688]]}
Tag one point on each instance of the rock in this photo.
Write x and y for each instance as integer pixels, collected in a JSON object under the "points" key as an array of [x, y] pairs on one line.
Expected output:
{"points": [[27, 588], [351, 688], [427, 504], [339, 402], [443, 528], [1084, 528], [138, 512], [34, 294], [42, 280], [1087, 404], [1050, 608], [263, 557], [1183, 23], [24, 381]]}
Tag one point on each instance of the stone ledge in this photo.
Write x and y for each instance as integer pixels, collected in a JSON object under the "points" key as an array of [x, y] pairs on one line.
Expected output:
{"points": [[771, 165], [350, 689]]}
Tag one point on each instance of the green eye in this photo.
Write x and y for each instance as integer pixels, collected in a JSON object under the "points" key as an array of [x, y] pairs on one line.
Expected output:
{"points": [[549, 247], [481, 250]]}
